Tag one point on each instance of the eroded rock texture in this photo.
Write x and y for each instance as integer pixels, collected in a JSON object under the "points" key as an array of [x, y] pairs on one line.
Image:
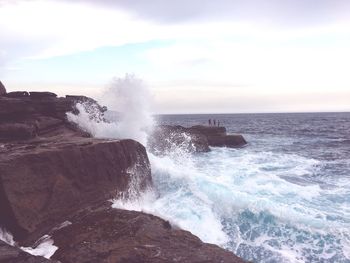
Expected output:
{"points": [[105, 234], [56, 180], [49, 168]]}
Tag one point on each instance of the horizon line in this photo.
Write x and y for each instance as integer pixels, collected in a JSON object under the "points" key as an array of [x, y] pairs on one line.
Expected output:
{"points": [[281, 112]]}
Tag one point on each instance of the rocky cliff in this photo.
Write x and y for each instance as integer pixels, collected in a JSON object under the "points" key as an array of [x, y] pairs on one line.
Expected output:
{"points": [[104, 234], [52, 175], [42, 182]]}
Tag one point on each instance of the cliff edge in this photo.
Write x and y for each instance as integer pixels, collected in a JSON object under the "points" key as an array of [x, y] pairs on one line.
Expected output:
{"points": [[55, 182]]}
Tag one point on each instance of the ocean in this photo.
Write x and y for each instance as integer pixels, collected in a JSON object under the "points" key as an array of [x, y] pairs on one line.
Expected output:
{"points": [[285, 197]]}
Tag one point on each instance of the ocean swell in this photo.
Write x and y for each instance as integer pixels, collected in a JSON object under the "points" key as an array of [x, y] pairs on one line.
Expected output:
{"points": [[264, 203]]}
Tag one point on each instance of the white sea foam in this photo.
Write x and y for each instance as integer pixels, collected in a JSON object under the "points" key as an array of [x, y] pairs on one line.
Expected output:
{"points": [[253, 202], [6, 237], [45, 247], [132, 100]]}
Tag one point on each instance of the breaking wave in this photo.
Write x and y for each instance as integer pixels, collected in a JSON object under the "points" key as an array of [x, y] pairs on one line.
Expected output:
{"points": [[129, 102], [264, 203]]}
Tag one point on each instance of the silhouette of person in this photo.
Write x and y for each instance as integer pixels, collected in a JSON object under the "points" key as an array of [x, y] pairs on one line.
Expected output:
{"points": [[214, 122], [218, 123], [209, 121]]}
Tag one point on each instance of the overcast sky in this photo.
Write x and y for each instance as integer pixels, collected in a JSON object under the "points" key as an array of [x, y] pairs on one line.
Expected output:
{"points": [[197, 56]]}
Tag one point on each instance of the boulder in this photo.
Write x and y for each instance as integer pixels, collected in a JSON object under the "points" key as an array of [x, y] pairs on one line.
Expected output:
{"points": [[105, 234], [12, 254], [42, 182], [2, 89]]}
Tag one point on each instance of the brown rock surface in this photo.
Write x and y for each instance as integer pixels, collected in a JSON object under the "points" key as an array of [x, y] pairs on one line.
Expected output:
{"points": [[49, 168], [44, 181], [50, 172], [218, 137], [112, 235]]}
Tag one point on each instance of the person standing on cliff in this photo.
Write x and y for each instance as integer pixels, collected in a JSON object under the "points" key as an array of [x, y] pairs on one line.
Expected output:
{"points": [[209, 121], [218, 123], [214, 122]]}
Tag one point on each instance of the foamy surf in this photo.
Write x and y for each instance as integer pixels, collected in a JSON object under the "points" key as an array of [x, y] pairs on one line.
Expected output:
{"points": [[268, 202], [45, 246]]}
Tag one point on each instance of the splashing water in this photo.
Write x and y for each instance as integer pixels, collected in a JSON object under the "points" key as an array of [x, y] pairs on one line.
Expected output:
{"points": [[128, 117], [277, 200], [44, 248], [6, 237]]}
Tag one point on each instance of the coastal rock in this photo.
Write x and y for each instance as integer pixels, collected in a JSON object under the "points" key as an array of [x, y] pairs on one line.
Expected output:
{"points": [[41, 95], [52, 173], [112, 235], [166, 138], [16, 131], [2, 89], [217, 136], [11, 254], [230, 141], [42, 182], [43, 114], [49, 168], [17, 94]]}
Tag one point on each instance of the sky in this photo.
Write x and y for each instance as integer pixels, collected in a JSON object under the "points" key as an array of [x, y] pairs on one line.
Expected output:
{"points": [[196, 56]]}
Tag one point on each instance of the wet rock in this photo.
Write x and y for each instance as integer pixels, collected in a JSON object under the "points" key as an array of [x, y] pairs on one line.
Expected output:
{"points": [[43, 182], [230, 141], [218, 137], [12, 254], [112, 235], [51, 172], [45, 115], [49, 168]]}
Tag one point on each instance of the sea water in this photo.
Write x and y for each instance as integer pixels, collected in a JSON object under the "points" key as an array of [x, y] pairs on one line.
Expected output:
{"points": [[285, 197]]}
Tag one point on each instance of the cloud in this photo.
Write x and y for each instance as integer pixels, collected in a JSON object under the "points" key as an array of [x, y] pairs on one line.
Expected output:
{"points": [[217, 99], [43, 29], [244, 47], [287, 12]]}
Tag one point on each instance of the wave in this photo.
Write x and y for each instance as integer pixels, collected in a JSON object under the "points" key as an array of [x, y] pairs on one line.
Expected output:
{"points": [[260, 204]]}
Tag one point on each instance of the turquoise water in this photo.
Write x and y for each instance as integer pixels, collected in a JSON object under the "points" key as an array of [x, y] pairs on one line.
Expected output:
{"points": [[283, 198]]}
